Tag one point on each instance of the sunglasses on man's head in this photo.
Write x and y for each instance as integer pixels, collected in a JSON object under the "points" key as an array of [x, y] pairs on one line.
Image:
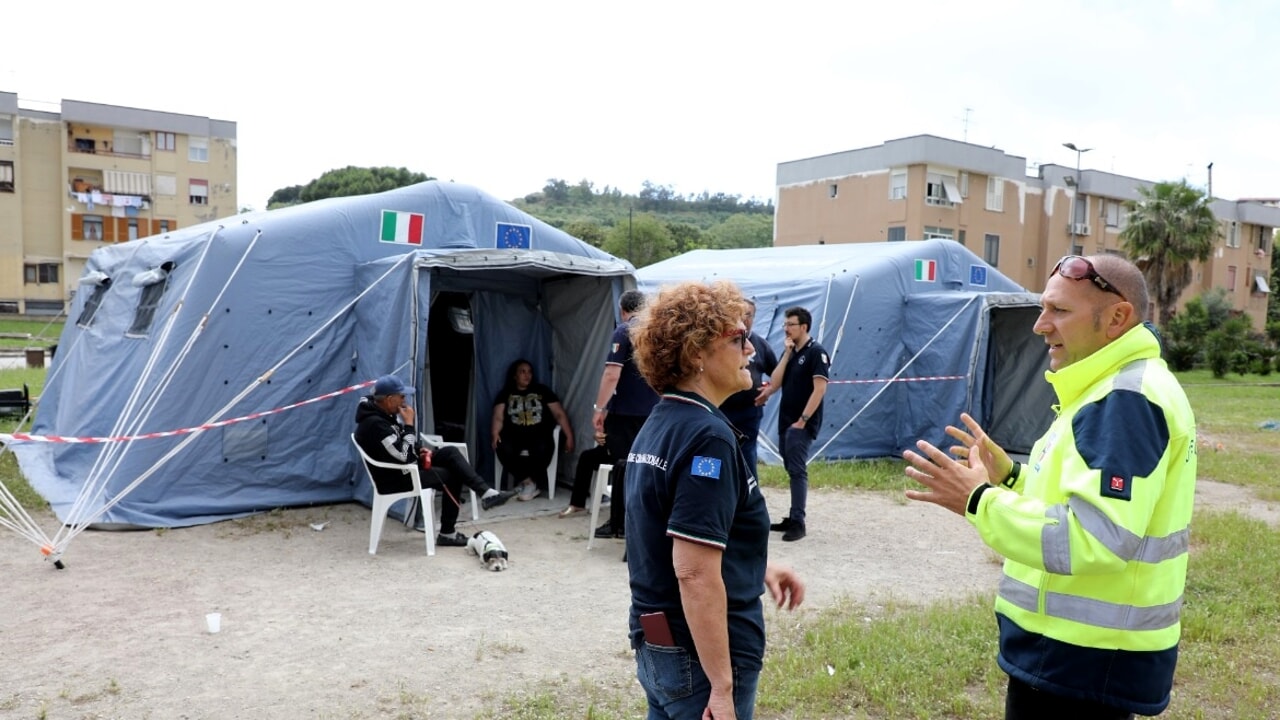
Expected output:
{"points": [[1074, 267]]}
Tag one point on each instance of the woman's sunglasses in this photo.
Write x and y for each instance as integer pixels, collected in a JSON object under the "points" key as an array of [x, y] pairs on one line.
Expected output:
{"points": [[738, 336], [1074, 267]]}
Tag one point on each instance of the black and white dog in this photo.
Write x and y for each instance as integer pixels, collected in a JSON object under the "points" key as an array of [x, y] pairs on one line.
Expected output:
{"points": [[490, 550]]}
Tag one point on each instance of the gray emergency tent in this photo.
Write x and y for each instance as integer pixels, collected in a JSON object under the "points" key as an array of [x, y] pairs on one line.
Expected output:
{"points": [[272, 319], [917, 332]]}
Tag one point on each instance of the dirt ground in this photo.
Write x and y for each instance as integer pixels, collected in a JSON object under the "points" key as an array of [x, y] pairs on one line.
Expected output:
{"points": [[312, 626]]}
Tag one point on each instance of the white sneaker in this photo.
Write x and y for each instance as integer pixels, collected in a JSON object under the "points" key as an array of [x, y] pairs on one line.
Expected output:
{"points": [[528, 491]]}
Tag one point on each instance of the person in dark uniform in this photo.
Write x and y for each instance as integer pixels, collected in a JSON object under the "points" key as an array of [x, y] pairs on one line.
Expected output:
{"points": [[745, 409], [622, 404], [697, 526], [801, 375], [384, 430]]}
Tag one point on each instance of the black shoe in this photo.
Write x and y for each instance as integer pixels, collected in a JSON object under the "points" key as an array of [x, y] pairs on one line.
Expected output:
{"points": [[783, 526], [606, 531], [454, 540], [494, 501], [794, 532]]}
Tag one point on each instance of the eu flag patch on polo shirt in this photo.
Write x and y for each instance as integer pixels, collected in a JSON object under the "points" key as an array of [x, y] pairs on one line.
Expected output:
{"points": [[707, 467]]}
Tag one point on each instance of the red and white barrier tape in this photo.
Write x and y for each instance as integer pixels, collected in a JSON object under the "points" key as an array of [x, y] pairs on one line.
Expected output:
{"points": [[25, 437], [889, 380]]}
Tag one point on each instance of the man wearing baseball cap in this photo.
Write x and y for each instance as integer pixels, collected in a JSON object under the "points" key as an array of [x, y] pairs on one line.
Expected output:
{"points": [[384, 430]]}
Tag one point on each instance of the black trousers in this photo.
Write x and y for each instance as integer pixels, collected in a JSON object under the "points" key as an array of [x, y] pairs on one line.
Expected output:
{"points": [[620, 433], [1027, 703], [588, 462], [450, 472]]}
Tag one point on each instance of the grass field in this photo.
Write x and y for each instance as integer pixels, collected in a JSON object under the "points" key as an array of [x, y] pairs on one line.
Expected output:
{"points": [[33, 333], [937, 661]]}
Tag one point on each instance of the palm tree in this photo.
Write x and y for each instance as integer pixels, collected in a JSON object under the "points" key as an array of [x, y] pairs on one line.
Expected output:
{"points": [[1169, 227]]}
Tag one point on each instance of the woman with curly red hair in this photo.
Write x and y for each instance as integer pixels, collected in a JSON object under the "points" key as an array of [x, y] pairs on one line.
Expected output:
{"points": [[697, 528]]}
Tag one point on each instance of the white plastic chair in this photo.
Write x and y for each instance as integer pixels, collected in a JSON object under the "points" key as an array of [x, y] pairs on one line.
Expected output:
{"points": [[435, 442], [597, 490], [382, 502], [551, 469]]}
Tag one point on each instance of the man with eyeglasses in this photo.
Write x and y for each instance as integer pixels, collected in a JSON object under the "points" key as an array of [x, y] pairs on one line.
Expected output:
{"points": [[801, 375], [1094, 528]]}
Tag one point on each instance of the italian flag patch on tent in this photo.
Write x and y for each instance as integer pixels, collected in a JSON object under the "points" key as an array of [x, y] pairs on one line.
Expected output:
{"points": [[926, 271], [404, 228]]}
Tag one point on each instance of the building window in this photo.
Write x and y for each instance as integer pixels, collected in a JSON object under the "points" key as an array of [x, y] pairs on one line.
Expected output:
{"points": [[92, 227], [1264, 235], [898, 185], [897, 234], [941, 190], [40, 273], [133, 228], [164, 226], [938, 233], [1231, 278], [198, 192], [991, 249], [833, 190], [960, 237], [85, 145], [1233, 235], [995, 194], [1260, 284], [6, 176], [166, 141], [198, 149], [964, 184], [1112, 212], [1082, 209]]}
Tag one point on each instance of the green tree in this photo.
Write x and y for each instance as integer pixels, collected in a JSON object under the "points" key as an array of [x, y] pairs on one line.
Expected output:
{"points": [[686, 237], [345, 182], [643, 241], [586, 231], [742, 230], [1169, 227]]}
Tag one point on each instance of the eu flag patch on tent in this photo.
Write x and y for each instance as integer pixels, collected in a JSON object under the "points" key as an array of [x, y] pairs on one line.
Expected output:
{"points": [[926, 270], [510, 235], [707, 467], [978, 275], [404, 228]]}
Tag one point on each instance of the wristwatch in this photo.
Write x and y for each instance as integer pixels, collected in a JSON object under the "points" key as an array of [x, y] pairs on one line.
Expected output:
{"points": [[804, 418]]}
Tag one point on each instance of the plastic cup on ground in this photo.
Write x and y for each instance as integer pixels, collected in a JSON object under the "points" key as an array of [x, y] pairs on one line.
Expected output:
{"points": [[214, 621]]}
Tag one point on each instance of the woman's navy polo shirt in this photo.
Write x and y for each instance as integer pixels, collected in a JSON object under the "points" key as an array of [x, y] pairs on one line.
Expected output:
{"points": [[686, 479]]}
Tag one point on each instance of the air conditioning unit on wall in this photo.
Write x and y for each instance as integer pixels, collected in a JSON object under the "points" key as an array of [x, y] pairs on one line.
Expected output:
{"points": [[1078, 229]]}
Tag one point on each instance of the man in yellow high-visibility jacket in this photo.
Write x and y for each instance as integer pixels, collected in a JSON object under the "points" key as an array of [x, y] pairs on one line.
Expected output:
{"points": [[1094, 529]]}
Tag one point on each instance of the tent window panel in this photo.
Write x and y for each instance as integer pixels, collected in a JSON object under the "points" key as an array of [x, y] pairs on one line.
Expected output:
{"points": [[146, 312], [991, 249], [244, 441], [91, 306], [897, 234]]}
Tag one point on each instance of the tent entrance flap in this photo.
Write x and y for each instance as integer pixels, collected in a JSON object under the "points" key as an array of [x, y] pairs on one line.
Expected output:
{"points": [[448, 374], [1019, 398]]}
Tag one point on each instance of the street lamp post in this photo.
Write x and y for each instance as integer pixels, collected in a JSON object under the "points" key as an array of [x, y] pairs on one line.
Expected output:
{"points": [[1075, 197]]}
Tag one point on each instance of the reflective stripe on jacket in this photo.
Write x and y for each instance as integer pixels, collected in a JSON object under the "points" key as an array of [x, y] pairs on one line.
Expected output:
{"points": [[1095, 532]]}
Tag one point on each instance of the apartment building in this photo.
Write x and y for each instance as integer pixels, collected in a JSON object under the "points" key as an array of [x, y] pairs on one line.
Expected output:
{"points": [[925, 187], [90, 174]]}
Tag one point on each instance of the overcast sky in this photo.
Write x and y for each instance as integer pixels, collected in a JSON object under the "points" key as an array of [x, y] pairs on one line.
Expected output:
{"points": [[697, 95]]}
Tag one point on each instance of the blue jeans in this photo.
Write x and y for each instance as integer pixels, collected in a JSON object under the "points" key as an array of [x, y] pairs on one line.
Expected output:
{"points": [[794, 445], [678, 689]]}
